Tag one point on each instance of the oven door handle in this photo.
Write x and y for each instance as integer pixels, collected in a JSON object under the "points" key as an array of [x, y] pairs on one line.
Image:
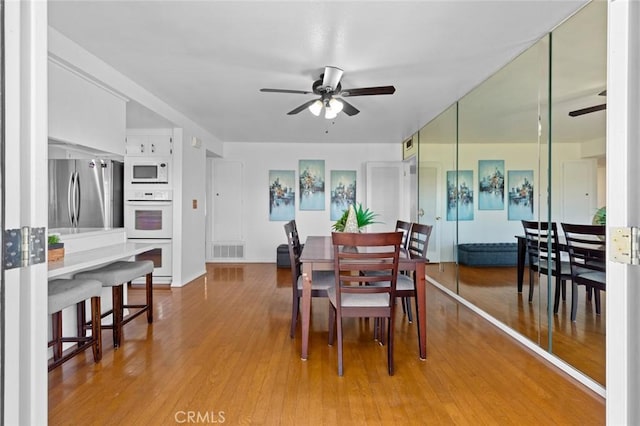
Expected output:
{"points": [[147, 203]]}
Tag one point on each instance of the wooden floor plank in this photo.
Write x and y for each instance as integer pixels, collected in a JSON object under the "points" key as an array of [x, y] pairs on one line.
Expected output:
{"points": [[221, 346]]}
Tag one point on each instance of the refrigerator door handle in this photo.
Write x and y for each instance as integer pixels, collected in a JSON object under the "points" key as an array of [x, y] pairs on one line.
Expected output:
{"points": [[71, 206], [78, 199]]}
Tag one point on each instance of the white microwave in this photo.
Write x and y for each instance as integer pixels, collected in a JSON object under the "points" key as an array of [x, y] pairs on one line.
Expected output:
{"points": [[148, 171]]}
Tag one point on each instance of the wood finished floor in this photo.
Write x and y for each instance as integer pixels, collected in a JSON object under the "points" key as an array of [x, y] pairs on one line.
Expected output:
{"points": [[493, 289], [220, 346]]}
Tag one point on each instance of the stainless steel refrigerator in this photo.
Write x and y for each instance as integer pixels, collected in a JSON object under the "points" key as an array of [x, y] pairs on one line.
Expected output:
{"points": [[86, 194]]}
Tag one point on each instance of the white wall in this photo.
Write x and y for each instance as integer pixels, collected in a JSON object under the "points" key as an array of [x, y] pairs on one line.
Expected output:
{"points": [[263, 236], [189, 188]]}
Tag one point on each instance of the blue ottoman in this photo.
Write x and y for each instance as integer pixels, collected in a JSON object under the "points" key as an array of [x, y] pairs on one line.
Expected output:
{"points": [[488, 254]]}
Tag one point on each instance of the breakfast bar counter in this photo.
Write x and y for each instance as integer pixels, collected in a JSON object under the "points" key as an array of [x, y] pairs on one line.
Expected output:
{"points": [[89, 259]]}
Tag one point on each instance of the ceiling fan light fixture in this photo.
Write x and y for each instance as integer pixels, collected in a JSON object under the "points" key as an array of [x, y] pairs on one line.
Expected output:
{"points": [[336, 105], [330, 113], [316, 107]]}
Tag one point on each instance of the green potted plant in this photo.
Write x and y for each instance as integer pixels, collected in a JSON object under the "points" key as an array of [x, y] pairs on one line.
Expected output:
{"points": [[363, 217]]}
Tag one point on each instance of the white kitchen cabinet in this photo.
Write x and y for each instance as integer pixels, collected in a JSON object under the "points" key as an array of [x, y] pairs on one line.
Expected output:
{"points": [[149, 145], [84, 113]]}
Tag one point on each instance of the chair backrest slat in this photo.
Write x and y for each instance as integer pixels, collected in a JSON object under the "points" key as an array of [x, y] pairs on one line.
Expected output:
{"points": [[357, 254], [538, 236], [418, 243], [295, 250], [405, 228], [587, 247]]}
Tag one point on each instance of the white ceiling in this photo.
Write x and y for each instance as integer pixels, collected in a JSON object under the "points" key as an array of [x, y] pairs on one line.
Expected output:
{"points": [[208, 59]]}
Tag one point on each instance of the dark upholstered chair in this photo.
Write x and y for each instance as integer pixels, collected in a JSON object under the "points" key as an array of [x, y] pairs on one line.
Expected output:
{"points": [[320, 281], [64, 293], [543, 249], [359, 259], [587, 256], [116, 275]]}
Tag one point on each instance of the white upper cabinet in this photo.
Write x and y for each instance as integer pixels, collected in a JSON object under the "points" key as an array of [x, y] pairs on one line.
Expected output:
{"points": [[149, 145], [82, 112]]}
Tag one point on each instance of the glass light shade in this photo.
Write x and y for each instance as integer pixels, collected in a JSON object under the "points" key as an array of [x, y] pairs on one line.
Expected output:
{"points": [[316, 107], [330, 113], [336, 105]]}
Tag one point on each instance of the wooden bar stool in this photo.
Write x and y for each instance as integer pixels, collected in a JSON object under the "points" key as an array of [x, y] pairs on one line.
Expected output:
{"points": [[62, 294], [115, 275]]}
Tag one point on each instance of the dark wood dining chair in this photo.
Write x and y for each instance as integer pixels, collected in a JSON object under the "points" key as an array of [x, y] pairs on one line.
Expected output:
{"points": [[320, 281], [417, 246], [405, 228], [543, 249], [361, 259], [587, 256]]}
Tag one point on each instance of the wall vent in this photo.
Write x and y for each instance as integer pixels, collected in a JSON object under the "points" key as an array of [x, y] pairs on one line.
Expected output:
{"points": [[228, 251]]}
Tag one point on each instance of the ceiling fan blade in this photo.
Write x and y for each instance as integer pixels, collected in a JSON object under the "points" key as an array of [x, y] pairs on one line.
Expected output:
{"points": [[301, 107], [587, 110], [347, 108], [301, 92], [331, 77], [365, 91], [603, 93]]}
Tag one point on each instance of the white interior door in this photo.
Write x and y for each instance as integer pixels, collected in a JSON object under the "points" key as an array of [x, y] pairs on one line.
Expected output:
{"points": [[387, 193], [225, 224], [430, 205], [578, 191]]}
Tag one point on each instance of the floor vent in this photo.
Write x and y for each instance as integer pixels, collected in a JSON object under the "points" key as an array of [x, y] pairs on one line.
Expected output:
{"points": [[228, 251]]}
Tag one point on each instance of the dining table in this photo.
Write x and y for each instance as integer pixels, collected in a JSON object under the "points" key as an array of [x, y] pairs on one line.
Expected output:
{"points": [[317, 255]]}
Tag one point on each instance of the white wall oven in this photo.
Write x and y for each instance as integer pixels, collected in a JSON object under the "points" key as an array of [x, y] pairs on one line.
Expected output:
{"points": [[148, 217], [148, 214], [161, 258]]}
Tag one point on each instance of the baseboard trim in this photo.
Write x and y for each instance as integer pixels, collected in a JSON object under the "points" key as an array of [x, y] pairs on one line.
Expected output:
{"points": [[529, 344]]}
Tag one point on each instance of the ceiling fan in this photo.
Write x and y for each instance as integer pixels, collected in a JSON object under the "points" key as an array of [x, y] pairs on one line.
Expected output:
{"points": [[590, 109], [330, 90]]}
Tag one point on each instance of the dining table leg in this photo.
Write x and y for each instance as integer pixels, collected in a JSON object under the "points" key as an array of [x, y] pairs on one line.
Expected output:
{"points": [[306, 308], [421, 315]]}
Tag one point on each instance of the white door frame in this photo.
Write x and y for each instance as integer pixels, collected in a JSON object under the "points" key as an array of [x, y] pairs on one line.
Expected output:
{"points": [[623, 209], [25, 383]]}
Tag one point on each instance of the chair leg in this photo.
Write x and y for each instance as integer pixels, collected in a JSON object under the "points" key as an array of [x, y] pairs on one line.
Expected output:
{"points": [[117, 292], [556, 301], [530, 285], [149, 289], [56, 335], [390, 345], [564, 290], [295, 307], [406, 302], [81, 319], [96, 329], [339, 330], [574, 300], [596, 292], [332, 323]]}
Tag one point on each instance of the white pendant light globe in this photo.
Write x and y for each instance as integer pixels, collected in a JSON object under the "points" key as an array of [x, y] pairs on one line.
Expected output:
{"points": [[316, 107], [336, 105], [330, 113]]}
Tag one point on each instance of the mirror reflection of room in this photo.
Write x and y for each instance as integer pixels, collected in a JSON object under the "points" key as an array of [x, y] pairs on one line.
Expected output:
{"points": [[502, 158]]}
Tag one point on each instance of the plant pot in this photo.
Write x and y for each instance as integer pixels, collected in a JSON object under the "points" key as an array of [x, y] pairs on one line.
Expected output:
{"points": [[55, 252]]}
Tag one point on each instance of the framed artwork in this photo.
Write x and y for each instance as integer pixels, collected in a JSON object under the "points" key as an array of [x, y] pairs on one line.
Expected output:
{"points": [[491, 185], [459, 195], [520, 194], [343, 192], [311, 175], [282, 195]]}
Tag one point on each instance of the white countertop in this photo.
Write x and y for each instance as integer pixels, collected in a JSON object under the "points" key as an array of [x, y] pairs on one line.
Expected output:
{"points": [[88, 259]]}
